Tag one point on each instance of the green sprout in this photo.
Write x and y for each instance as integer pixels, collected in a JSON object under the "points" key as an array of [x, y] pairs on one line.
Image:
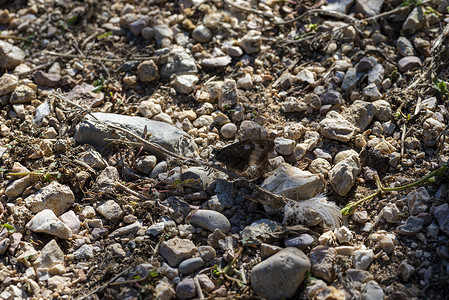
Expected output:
{"points": [[440, 86], [352, 206], [99, 84], [430, 11], [8, 227], [104, 35], [411, 3]]}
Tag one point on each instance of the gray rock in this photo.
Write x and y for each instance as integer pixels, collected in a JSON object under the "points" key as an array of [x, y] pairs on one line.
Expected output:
{"points": [[136, 27], [408, 63], [176, 250], [245, 82], [252, 130], [280, 275], [205, 282], [229, 95], [145, 164], [306, 76], [366, 64], [22, 95], [351, 80], [371, 92], [251, 41], [341, 6], [162, 32], [179, 62], [197, 177], [322, 259], [383, 110], [110, 209], [228, 130], [159, 169], [209, 219], [372, 291], [360, 114], [405, 270], [441, 213], [10, 56], [286, 81], [344, 175], [93, 159], [54, 196], [17, 187], [184, 84], [417, 199], [106, 179], [404, 46], [185, 289], [148, 33], [207, 253], [332, 97], [361, 259], [320, 153], [234, 51], [85, 252], [320, 166], [216, 62], [190, 265], [412, 226], [131, 228], [202, 34], [284, 146], [92, 132], [336, 127], [47, 222], [294, 183], [169, 272], [301, 242], [178, 208], [293, 104], [356, 275], [376, 75], [46, 79], [415, 20], [259, 231], [50, 256], [4, 244], [163, 291], [8, 83], [147, 71], [71, 220], [369, 7]]}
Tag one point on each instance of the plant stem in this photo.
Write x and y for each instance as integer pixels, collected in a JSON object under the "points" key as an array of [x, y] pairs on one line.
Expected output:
{"points": [[351, 207]]}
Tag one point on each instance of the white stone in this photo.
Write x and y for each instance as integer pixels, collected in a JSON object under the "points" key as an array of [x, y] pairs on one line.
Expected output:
{"points": [[361, 259], [47, 222]]}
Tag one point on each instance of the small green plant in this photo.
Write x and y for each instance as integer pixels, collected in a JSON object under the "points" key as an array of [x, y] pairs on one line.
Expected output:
{"points": [[104, 35], [411, 2], [27, 42], [311, 27], [99, 84], [430, 11], [440, 86], [8, 227], [352, 206]]}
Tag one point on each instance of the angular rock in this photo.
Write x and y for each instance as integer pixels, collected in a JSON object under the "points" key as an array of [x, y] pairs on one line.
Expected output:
{"points": [[344, 175], [362, 258], [10, 56], [55, 196], [336, 127], [412, 226], [259, 231], [71, 220], [106, 179], [147, 71], [294, 183], [8, 83], [185, 289], [46, 79], [178, 208], [179, 62], [176, 250], [22, 95], [369, 7], [131, 228], [441, 213], [47, 222], [280, 275], [360, 114], [322, 259], [91, 132], [184, 84], [110, 209], [216, 62], [417, 199], [50, 256], [229, 96], [251, 41]]}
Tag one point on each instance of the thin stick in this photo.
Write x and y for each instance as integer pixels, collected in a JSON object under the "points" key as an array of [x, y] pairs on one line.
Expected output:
{"points": [[198, 288]]}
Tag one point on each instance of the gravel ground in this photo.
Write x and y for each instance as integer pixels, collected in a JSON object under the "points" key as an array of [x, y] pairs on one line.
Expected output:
{"points": [[224, 149]]}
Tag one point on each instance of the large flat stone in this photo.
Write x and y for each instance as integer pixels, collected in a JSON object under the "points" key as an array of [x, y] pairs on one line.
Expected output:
{"points": [[91, 131]]}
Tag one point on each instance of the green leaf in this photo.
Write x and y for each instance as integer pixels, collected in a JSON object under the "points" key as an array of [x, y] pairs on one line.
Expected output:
{"points": [[10, 228], [137, 277], [104, 35], [153, 273], [72, 20]]}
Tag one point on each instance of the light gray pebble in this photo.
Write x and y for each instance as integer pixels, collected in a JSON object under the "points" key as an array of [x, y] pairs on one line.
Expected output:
{"points": [[209, 219], [185, 289], [202, 34]]}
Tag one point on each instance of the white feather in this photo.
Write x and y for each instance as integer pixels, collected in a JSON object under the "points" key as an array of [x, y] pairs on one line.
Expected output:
{"points": [[302, 210]]}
